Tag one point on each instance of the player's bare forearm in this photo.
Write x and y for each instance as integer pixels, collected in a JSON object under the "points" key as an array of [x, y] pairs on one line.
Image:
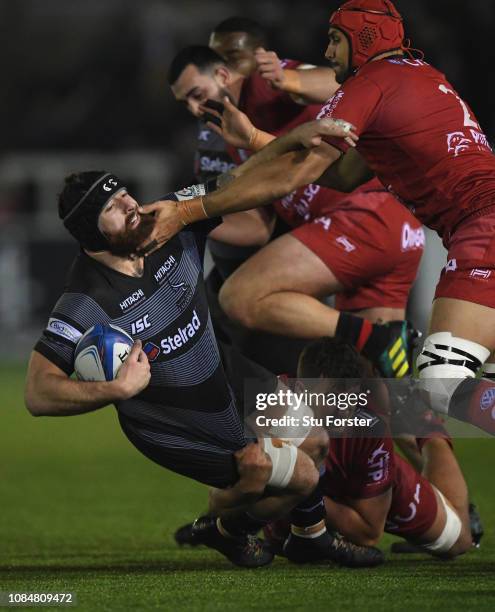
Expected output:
{"points": [[270, 181], [310, 85], [50, 392], [304, 136], [351, 524], [272, 150], [262, 185]]}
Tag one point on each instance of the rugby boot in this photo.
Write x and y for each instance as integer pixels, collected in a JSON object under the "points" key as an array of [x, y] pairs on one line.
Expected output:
{"points": [[244, 551], [334, 547], [476, 525], [390, 348], [185, 536]]}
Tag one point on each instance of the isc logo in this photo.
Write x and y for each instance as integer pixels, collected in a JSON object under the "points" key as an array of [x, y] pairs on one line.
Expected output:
{"points": [[140, 325]]}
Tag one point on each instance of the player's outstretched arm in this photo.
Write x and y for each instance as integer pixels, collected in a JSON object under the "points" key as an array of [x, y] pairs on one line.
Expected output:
{"points": [[306, 84], [50, 392], [262, 185], [236, 128]]}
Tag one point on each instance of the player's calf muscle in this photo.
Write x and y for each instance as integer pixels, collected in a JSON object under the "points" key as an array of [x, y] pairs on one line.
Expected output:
{"points": [[305, 476]]}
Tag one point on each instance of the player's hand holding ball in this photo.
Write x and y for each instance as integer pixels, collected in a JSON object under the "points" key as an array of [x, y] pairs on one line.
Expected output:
{"points": [[134, 374]]}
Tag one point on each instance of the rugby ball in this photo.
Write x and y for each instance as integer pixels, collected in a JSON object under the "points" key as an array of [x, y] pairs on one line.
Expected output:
{"points": [[100, 353]]}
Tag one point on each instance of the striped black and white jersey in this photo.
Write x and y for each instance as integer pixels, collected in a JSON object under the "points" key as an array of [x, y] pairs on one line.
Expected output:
{"points": [[189, 397]]}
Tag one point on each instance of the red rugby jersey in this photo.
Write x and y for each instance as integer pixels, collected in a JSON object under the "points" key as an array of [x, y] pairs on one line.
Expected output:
{"points": [[275, 112], [420, 138], [359, 467]]}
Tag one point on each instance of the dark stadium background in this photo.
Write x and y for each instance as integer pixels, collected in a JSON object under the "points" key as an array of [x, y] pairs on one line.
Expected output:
{"points": [[83, 85]]}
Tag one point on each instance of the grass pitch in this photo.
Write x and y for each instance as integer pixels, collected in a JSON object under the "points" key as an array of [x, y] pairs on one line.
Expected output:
{"points": [[83, 511]]}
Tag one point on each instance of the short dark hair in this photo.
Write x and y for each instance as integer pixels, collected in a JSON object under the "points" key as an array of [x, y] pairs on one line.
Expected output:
{"points": [[243, 24], [330, 358], [200, 56]]}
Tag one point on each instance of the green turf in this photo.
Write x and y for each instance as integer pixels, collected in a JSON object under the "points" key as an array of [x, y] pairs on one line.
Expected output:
{"points": [[81, 510]]}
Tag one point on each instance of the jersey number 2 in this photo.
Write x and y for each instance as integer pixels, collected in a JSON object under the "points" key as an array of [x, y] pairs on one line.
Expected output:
{"points": [[468, 122]]}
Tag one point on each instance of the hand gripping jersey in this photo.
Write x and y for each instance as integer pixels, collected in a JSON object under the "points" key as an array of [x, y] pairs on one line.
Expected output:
{"points": [[421, 139]]}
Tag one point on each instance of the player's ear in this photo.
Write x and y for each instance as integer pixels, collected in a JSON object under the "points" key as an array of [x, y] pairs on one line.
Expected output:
{"points": [[222, 73]]}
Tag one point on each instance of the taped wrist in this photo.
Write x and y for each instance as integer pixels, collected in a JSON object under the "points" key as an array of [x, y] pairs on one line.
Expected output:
{"points": [[283, 456], [193, 210]]}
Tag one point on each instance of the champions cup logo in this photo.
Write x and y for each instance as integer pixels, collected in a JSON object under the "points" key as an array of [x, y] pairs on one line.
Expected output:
{"points": [[412, 238], [110, 184], [487, 399]]}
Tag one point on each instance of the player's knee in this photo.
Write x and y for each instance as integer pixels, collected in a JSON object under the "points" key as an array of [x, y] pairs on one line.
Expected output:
{"points": [[316, 445], [455, 538], [462, 546], [235, 303], [443, 363]]}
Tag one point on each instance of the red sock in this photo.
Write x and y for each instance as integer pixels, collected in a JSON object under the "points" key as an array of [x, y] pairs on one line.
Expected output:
{"points": [[474, 402]]}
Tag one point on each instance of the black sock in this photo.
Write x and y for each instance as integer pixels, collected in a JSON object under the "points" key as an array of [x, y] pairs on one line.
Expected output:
{"points": [[368, 338], [308, 517], [238, 525]]}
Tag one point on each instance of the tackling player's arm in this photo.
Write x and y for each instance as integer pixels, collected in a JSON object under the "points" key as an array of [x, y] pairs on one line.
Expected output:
{"points": [[50, 392], [306, 84], [347, 173], [262, 185], [361, 521], [291, 161]]}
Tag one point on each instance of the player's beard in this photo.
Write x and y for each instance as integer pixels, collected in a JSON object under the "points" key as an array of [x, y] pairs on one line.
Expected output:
{"points": [[128, 242], [341, 73], [225, 93]]}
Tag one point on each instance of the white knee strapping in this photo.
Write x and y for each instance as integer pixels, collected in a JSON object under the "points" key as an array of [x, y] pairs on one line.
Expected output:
{"points": [[450, 533], [488, 371], [444, 362], [283, 460]]}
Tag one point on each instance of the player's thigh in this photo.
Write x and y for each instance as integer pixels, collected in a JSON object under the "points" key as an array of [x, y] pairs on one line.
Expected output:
{"points": [[286, 264], [463, 319]]}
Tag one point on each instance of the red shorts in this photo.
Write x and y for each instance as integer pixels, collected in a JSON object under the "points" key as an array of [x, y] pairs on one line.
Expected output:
{"points": [[372, 244], [414, 503], [470, 272]]}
